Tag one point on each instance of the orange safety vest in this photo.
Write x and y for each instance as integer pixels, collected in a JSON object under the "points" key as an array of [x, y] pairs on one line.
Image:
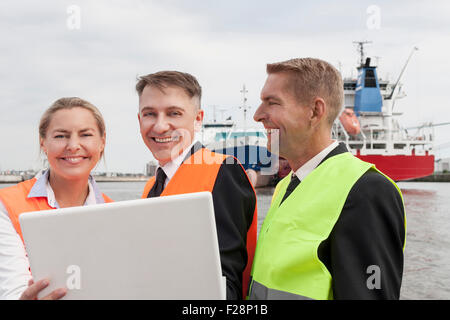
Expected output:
{"points": [[199, 173], [16, 201]]}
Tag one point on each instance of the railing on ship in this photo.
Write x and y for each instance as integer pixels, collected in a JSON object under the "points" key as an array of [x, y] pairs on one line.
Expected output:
{"points": [[376, 140]]}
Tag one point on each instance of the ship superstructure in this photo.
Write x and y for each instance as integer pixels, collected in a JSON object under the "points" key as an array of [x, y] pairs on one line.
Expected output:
{"points": [[370, 129]]}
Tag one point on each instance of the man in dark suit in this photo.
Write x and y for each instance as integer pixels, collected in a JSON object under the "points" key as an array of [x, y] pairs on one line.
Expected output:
{"points": [[336, 225], [169, 115]]}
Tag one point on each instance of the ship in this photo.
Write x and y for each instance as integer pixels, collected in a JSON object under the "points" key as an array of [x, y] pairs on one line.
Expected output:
{"points": [[369, 126], [246, 143]]}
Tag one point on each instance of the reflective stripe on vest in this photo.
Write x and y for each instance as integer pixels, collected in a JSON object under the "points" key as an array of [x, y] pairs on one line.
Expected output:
{"points": [[261, 292], [286, 254], [199, 173], [16, 201]]}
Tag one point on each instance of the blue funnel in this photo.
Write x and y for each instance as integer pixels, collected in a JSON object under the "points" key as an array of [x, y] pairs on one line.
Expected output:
{"points": [[367, 97]]}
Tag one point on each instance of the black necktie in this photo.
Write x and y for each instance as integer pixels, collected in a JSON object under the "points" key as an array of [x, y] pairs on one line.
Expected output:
{"points": [[291, 187], [158, 187]]}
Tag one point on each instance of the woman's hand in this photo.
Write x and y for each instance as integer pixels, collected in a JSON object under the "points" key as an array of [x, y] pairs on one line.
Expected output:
{"points": [[33, 290]]}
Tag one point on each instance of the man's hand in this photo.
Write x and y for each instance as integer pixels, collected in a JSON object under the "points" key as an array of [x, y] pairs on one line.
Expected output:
{"points": [[33, 290]]}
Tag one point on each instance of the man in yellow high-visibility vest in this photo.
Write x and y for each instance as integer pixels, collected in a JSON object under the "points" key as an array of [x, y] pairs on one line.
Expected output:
{"points": [[336, 225]]}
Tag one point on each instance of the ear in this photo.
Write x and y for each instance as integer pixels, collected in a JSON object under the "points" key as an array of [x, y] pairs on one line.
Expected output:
{"points": [[318, 111], [199, 120], [103, 142], [41, 144], [139, 117]]}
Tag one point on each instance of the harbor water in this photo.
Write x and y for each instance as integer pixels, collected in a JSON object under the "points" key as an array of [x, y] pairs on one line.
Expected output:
{"points": [[427, 253]]}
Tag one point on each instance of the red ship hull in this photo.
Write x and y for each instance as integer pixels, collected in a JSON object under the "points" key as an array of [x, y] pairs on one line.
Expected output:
{"points": [[397, 167], [401, 167]]}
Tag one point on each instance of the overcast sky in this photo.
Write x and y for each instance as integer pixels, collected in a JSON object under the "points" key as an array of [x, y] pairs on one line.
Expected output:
{"points": [[48, 51]]}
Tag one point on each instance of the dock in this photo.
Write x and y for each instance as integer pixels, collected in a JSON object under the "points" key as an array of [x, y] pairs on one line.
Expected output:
{"points": [[121, 179], [435, 177], [10, 179]]}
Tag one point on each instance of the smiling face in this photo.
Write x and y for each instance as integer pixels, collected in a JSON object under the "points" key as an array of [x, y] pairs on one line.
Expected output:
{"points": [[281, 110], [168, 120], [73, 143]]}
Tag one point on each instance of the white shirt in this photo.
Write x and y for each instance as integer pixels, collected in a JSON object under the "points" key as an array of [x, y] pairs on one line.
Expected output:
{"points": [[171, 167], [14, 265], [312, 163]]}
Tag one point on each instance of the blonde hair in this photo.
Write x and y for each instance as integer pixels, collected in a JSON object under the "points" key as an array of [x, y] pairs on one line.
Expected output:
{"points": [[69, 103], [314, 78]]}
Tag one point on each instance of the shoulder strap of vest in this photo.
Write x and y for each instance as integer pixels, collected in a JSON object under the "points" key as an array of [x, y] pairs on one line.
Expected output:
{"points": [[197, 173], [148, 187], [106, 198], [16, 201], [403, 201], [281, 187]]}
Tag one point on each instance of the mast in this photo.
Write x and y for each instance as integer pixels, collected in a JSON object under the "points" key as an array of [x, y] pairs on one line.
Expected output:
{"points": [[401, 74], [244, 105], [214, 113], [361, 50]]}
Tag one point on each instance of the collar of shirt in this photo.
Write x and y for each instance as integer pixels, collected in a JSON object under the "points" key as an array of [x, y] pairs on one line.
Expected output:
{"points": [[42, 188], [171, 167], [309, 166]]}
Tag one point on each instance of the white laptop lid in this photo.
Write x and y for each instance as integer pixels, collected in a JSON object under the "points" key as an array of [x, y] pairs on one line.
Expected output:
{"points": [[158, 248]]}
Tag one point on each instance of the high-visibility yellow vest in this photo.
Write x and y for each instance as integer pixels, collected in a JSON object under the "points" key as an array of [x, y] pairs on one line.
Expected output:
{"points": [[286, 263]]}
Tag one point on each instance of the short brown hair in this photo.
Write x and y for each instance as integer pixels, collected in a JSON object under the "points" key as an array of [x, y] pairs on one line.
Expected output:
{"points": [[69, 103], [314, 78], [164, 79]]}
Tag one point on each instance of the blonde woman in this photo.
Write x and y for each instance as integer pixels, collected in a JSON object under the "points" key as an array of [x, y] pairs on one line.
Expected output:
{"points": [[72, 136]]}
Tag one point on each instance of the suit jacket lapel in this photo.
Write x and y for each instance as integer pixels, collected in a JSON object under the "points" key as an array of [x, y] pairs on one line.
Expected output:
{"points": [[341, 148]]}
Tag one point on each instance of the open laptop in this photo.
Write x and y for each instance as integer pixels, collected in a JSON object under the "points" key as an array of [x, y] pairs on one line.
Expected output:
{"points": [[158, 248]]}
